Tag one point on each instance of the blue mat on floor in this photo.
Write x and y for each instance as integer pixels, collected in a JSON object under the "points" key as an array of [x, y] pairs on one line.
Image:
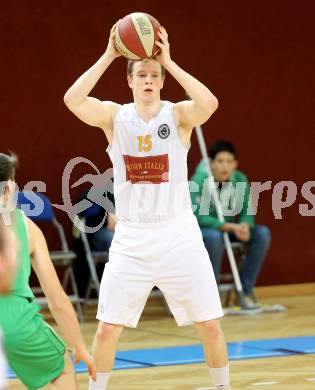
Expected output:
{"points": [[251, 349]]}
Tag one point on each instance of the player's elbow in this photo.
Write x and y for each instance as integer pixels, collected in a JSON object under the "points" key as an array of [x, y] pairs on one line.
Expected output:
{"points": [[58, 300], [213, 104], [210, 107], [71, 101], [67, 100]]}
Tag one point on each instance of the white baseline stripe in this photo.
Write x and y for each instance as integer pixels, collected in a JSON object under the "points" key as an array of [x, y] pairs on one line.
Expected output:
{"points": [[205, 388]]}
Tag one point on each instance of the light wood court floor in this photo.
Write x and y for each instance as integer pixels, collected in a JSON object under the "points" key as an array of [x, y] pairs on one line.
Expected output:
{"points": [[156, 329]]}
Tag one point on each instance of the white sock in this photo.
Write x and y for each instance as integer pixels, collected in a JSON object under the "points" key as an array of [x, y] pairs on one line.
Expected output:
{"points": [[102, 379], [220, 377]]}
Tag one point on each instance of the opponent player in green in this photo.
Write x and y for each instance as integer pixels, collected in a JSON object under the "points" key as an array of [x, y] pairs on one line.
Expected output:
{"points": [[7, 272], [34, 351]]}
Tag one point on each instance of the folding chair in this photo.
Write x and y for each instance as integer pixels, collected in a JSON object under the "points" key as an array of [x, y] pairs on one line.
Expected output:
{"points": [[39, 209], [226, 281], [93, 257]]}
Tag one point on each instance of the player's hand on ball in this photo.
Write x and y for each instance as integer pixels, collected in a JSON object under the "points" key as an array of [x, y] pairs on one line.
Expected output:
{"points": [[111, 48], [84, 355], [163, 56]]}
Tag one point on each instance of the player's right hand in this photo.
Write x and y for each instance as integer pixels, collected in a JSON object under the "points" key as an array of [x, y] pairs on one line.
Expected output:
{"points": [[84, 355], [111, 47]]}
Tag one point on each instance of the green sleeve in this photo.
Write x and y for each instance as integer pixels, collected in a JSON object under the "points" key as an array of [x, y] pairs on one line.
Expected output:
{"points": [[196, 184], [209, 221], [198, 179]]}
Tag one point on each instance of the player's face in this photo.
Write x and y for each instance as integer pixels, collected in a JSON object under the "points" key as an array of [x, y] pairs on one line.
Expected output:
{"points": [[223, 165], [146, 81]]}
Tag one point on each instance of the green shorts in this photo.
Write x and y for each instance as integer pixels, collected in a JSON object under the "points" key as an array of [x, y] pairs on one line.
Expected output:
{"points": [[33, 349]]}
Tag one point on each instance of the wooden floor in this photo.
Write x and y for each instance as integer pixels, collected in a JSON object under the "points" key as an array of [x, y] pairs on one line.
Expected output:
{"points": [[156, 329]]}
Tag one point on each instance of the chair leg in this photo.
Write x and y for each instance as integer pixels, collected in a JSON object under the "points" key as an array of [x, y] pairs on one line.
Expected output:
{"points": [[65, 279], [88, 290], [76, 294], [228, 298]]}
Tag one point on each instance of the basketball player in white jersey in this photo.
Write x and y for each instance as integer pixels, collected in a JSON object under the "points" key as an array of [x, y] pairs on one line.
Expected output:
{"points": [[157, 240]]}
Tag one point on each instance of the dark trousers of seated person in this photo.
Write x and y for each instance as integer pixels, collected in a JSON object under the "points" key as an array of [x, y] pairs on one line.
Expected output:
{"points": [[257, 248], [101, 240]]}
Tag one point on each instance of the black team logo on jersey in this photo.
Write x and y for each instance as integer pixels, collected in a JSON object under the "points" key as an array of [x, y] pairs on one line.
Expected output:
{"points": [[164, 131]]}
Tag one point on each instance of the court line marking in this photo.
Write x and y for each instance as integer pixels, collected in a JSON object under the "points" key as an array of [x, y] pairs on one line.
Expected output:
{"points": [[265, 383], [205, 388]]}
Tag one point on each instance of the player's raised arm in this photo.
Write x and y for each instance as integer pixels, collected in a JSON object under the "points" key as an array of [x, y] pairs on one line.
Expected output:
{"points": [[203, 103], [91, 110]]}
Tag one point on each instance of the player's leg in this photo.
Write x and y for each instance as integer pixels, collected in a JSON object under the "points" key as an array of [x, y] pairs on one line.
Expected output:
{"points": [[125, 287], [103, 352], [187, 280], [214, 343], [66, 380], [258, 246], [215, 351], [34, 351], [106, 338]]}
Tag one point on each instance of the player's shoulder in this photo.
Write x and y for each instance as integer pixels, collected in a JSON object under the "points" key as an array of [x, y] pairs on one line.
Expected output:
{"points": [[178, 109], [181, 105], [111, 107], [239, 176], [33, 230], [124, 111], [166, 108]]}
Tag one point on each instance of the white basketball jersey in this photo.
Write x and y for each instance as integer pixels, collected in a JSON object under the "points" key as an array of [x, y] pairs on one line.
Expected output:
{"points": [[150, 166]]}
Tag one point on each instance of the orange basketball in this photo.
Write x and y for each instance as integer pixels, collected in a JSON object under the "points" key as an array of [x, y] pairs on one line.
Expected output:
{"points": [[135, 36]]}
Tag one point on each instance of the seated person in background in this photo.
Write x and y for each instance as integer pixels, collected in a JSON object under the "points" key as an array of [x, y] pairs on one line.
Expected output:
{"points": [[102, 239], [102, 216], [240, 228]]}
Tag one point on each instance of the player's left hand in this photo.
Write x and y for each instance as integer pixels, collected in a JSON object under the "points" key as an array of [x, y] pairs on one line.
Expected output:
{"points": [[84, 355], [163, 56]]}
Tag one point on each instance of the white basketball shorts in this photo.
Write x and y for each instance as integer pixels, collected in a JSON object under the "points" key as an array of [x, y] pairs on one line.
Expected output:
{"points": [[170, 255]]}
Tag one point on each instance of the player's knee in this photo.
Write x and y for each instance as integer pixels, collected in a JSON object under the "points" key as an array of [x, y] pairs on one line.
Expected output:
{"points": [[108, 332], [66, 379], [263, 233], [212, 236], [212, 329]]}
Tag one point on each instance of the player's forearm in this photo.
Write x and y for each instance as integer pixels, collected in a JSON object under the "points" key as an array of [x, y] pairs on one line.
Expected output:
{"points": [[197, 91], [85, 83], [229, 227], [67, 321]]}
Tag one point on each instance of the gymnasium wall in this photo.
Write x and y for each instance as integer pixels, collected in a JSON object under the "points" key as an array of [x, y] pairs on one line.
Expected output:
{"points": [[256, 56]]}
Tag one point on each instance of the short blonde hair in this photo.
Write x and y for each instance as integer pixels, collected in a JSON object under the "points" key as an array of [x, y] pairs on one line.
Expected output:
{"points": [[131, 63]]}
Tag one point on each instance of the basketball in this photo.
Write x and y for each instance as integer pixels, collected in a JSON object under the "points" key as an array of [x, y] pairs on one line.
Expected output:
{"points": [[135, 36]]}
